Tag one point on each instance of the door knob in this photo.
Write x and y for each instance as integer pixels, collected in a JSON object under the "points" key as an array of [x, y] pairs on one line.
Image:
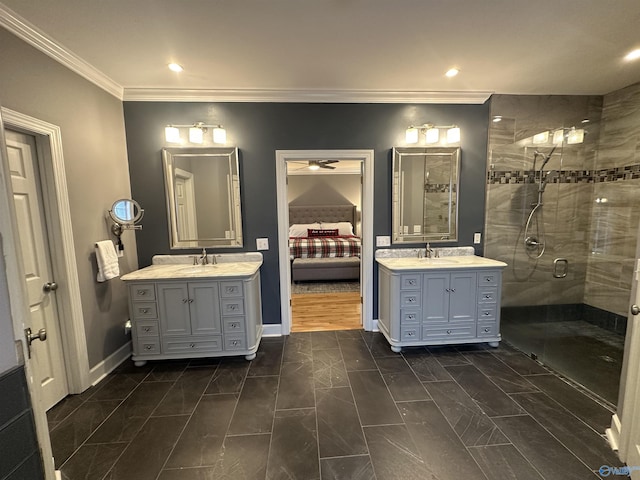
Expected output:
{"points": [[50, 287], [30, 337], [635, 309]]}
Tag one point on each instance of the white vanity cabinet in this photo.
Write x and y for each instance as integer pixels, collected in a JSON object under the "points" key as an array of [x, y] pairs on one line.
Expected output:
{"points": [[195, 317], [439, 305]]}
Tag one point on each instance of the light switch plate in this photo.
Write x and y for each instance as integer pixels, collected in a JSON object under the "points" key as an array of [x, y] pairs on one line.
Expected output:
{"points": [[477, 238], [383, 241], [417, 228], [262, 244]]}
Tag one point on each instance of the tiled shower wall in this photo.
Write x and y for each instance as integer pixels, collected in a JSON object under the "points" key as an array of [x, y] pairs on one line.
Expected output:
{"points": [[512, 188], [614, 223], [598, 238]]}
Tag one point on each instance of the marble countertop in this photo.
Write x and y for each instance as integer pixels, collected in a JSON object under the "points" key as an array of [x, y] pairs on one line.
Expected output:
{"points": [[191, 272], [442, 263]]}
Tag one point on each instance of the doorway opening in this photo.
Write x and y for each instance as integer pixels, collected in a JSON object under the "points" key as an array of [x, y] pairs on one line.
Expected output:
{"points": [[326, 267]]}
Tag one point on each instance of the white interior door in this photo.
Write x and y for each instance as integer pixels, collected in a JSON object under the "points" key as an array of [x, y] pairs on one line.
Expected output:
{"points": [[186, 205], [47, 356]]}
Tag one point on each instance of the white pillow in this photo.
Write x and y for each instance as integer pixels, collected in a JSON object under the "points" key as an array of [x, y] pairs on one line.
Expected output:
{"points": [[344, 228], [300, 229]]}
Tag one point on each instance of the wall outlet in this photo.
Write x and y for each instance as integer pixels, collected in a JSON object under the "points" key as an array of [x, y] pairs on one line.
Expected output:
{"points": [[417, 229], [383, 241], [262, 244], [477, 237]]}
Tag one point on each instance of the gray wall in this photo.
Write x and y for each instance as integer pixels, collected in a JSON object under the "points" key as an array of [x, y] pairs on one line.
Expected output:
{"points": [[95, 157], [259, 129]]}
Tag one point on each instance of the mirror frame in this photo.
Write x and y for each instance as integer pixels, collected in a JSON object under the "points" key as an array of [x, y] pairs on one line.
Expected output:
{"points": [[453, 190], [230, 154], [121, 221]]}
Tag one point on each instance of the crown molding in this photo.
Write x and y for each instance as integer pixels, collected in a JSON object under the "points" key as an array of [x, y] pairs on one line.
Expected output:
{"points": [[303, 96], [28, 32]]}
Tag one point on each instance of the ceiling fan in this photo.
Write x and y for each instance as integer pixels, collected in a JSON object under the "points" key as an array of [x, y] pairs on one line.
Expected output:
{"points": [[318, 164]]}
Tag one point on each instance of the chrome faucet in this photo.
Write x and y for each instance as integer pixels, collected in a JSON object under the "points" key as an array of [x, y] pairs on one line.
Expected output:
{"points": [[203, 257], [428, 251]]}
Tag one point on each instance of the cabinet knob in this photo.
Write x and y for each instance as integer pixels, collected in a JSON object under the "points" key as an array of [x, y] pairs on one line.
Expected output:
{"points": [[487, 329], [147, 329], [234, 343], [191, 300], [410, 334], [141, 292], [148, 347], [448, 332], [192, 345], [185, 300], [144, 310], [487, 296], [447, 290], [453, 290], [486, 314], [489, 279]]}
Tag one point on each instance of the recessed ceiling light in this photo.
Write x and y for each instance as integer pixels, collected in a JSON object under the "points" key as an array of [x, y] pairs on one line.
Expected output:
{"points": [[452, 72], [497, 118], [174, 67], [632, 55]]}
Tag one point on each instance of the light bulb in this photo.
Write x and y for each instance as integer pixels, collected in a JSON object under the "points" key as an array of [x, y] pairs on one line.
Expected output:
{"points": [[219, 135], [196, 135], [453, 135], [433, 135], [576, 135], [172, 135], [542, 137], [411, 135], [174, 67]]}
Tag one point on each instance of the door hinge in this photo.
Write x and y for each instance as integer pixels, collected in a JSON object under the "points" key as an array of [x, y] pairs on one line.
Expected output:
{"points": [[361, 300]]}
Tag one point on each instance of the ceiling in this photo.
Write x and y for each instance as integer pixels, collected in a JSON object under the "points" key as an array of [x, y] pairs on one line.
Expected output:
{"points": [[337, 50]]}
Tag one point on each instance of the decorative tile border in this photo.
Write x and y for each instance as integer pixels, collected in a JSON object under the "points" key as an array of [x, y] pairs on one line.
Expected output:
{"points": [[505, 177], [439, 188]]}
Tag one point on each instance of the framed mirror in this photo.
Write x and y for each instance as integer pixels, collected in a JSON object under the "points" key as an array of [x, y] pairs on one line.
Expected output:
{"points": [[203, 197], [425, 194]]}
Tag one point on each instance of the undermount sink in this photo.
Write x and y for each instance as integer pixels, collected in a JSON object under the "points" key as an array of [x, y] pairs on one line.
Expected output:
{"points": [[439, 261], [198, 268]]}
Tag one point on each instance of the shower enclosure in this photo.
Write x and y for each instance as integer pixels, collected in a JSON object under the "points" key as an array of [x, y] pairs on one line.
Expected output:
{"points": [[553, 221]]}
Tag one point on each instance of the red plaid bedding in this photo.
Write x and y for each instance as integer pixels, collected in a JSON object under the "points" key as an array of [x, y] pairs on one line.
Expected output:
{"points": [[324, 247]]}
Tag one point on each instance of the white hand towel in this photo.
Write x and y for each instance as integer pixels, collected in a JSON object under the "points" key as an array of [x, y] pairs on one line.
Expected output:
{"points": [[107, 258]]}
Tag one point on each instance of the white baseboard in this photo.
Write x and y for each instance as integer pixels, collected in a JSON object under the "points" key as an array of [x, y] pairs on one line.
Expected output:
{"points": [[272, 330], [613, 433], [374, 325], [106, 366]]}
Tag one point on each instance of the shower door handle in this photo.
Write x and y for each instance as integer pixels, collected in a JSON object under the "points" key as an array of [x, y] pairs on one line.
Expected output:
{"points": [[560, 267]]}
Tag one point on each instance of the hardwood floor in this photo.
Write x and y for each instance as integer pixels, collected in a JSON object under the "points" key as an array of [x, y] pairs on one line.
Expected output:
{"points": [[314, 312]]}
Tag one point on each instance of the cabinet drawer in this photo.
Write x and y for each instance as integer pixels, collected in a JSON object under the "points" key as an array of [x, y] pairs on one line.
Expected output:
{"points": [[235, 342], [148, 346], [410, 282], [488, 278], [145, 310], [231, 289], [447, 332], [410, 316], [487, 329], [233, 325], [142, 291], [232, 306], [487, 312], [187, 344], [409, 299], [487, 295], [147, 328], [410, 334]]}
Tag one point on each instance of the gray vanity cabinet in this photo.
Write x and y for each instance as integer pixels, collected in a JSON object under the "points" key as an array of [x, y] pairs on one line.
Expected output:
{"points": [[189, 308], [439, 307], [200, 318]]}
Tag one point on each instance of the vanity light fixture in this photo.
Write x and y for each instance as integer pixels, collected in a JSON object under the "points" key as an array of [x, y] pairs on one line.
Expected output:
{"points": [[432, 133], [196, 133]]}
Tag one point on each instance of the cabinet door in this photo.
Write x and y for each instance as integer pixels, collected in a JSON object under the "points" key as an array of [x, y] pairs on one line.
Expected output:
{"points": [[462, 297], [435, 297], [205, 308], [173, 307]]}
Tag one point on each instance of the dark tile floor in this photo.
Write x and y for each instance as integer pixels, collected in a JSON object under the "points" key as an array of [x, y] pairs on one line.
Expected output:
{"points": [[334, 405]]}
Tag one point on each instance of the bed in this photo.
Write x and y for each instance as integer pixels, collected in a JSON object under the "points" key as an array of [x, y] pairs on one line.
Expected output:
{"points": [[322, 243]]}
